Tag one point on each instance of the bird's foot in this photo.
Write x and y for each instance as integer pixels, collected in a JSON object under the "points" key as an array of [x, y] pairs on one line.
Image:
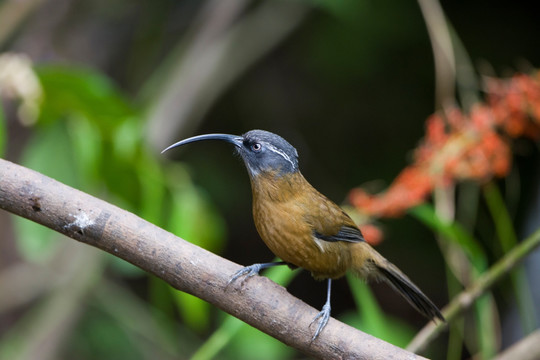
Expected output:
{"points": [[246, 272], [321, 319], [252, 270]]}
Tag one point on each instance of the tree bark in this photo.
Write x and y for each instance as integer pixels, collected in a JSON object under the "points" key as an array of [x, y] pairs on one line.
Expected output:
{"points": [[259, 302]]}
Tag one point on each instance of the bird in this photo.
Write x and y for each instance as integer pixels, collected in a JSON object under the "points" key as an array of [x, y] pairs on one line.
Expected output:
{"points": [[304, 228]]}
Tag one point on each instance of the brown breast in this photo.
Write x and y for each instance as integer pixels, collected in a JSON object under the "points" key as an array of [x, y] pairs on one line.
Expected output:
{"points": [[287, 211]]}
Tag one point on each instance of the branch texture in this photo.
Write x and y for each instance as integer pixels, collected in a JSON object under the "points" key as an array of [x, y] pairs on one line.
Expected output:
{"points": [[259, 302]]}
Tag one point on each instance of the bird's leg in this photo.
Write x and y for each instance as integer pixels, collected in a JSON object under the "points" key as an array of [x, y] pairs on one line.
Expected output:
{"points": [[252, 270], [324, 315]]}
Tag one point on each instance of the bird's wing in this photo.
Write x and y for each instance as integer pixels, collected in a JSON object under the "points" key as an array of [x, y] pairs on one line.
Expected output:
{"points": [[345, 233], [328, 221]]}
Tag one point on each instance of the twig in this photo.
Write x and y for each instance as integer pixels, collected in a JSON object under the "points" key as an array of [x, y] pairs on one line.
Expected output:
{"points": [[443, 51], [260, 302], [526, 349], [464, 300]]}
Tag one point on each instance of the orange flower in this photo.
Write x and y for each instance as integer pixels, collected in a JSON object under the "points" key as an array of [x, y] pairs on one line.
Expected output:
{"points": [[435, 130], [462, 147], [410, 188]]}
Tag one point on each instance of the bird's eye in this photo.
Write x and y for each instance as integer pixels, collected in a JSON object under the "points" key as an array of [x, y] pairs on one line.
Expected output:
{"points": [[256, 147]]}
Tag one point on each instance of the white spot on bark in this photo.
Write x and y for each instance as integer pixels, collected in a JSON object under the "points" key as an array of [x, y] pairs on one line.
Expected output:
{"points": [[81, 222]]}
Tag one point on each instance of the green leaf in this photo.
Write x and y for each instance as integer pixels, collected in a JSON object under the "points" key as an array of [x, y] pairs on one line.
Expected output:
{"points": [[453, 232], [193, 218], [153, 191], [81, 91], [486, 323], [508, 240], [501, 218], [228, 329], [195, 312], [251, 343], [87, 147]]}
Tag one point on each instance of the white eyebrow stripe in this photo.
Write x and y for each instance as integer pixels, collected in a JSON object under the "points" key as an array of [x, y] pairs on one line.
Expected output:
{"points": [[279, 152]]}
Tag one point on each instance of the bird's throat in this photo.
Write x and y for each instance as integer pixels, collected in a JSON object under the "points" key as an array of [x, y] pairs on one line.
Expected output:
{"points": [[275, 187]]}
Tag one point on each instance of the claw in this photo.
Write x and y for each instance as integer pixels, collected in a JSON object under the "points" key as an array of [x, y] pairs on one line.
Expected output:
{"points": [[246, 272], [324, 315], [252, 270], [322, 318]]}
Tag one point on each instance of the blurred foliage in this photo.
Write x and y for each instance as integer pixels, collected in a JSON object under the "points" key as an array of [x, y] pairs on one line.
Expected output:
{"points": [[372, 319], [350, 77], [88, 136]]}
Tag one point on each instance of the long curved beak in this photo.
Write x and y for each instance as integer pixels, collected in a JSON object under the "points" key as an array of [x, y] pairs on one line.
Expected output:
{"points": [[233, 139]]}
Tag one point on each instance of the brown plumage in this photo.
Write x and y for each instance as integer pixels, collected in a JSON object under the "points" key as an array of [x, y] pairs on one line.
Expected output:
{"points": [[304, 228], [287, 221]]}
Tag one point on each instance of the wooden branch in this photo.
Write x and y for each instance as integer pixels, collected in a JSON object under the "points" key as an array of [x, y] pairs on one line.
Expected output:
{"points": [[260, 302], [526, 349], [466, 298]]}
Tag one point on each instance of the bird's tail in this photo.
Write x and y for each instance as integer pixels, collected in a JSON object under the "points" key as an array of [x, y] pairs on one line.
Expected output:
{"points": [[369, 264]]}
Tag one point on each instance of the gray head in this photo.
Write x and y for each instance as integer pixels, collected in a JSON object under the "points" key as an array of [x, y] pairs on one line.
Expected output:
{"points": [[262, 151]]}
